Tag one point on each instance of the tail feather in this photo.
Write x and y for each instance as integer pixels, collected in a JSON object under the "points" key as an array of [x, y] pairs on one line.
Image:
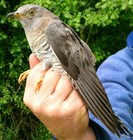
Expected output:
{"points": [[93, 107], [97, 101], [94, 104]]}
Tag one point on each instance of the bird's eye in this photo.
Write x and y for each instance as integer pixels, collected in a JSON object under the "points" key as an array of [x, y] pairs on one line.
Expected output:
{"points": [[31, 13]]}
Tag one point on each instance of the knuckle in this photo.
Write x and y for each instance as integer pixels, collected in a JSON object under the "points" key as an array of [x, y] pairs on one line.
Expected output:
{"points": [[54, 111]]}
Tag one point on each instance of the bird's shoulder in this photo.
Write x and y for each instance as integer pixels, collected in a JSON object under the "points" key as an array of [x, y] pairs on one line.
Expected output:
{"points": [[67, 44]]}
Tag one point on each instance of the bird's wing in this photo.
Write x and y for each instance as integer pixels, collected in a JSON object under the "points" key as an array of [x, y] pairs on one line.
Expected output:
{"points": [[78, 61]]}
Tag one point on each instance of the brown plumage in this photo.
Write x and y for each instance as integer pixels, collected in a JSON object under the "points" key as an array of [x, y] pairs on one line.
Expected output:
{"points": [[58, 46]]}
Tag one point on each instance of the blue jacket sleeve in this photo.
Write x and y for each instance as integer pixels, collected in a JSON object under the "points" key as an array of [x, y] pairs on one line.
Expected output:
{"points": [[116, 75]]}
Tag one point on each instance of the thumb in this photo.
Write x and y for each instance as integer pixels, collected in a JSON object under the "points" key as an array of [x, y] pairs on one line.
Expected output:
{"points": [[33, 60]]}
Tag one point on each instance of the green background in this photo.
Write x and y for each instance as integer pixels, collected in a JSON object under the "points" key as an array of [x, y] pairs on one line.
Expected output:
{"points": [[102, 24]]}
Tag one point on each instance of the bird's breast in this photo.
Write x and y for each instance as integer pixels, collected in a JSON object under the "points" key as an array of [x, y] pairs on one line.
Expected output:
{"points": [[44, 53]]}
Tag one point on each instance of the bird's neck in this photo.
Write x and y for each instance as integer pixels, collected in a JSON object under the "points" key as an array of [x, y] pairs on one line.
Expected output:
{"points": [[35, 35], [35, 39]]}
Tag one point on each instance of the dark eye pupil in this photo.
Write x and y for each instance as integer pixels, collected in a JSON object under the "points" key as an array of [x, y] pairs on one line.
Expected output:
{"points": [[31, 13]]}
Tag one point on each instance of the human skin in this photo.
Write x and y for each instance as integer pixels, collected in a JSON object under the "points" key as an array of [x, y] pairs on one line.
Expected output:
{"points": [[57, 103]]}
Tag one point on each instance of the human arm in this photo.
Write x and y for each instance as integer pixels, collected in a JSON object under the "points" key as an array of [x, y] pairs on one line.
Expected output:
{"points": [[61, 111], [116, 76]]}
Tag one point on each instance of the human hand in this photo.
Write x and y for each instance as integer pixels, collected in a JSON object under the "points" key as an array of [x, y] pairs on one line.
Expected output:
{"points": [[57, 104]]}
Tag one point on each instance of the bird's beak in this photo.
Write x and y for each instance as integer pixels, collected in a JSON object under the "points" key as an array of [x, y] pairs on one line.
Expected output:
{"points": [[13, 14]]}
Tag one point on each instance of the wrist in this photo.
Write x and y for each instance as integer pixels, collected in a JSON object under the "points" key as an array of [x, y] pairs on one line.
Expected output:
{"points": [[87, 135]]}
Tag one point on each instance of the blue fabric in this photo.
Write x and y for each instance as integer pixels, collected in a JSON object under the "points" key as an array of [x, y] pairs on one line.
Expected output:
{"points": [[130, 40], [116, 75]]}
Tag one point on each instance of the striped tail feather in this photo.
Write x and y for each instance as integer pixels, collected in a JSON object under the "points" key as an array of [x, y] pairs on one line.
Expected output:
{"points": [[96, 100]]}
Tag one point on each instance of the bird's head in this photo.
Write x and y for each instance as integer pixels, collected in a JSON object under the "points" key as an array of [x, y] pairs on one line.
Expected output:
{"points": [[34, 19], [32, 16]]}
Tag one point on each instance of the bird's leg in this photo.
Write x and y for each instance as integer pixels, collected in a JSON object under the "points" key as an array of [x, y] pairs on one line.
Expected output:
{"points": [[23, 76]]}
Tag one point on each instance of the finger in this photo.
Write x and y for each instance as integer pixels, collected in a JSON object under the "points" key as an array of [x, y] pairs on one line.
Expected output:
{"points": [[33, 60], [34, 76], [74, 101], [49, 82], [63, 89], [75, 98]]}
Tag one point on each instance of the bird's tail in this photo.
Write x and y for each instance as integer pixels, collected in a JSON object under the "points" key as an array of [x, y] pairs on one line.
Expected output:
{"points": [[96, 100]]}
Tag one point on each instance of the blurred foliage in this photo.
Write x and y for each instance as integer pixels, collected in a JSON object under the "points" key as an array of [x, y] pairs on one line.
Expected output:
{"points": [[103, 24]]}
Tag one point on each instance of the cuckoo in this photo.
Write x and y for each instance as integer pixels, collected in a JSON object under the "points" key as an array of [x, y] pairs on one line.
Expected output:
{"points": [[58, 46]]}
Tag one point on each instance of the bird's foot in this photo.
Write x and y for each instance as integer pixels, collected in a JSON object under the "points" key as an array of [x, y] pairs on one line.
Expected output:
{"points": [[23, 76], [38, 85]]}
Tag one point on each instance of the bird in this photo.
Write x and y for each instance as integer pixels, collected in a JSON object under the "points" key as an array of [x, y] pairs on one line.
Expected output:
{"points": [[58, 46]]}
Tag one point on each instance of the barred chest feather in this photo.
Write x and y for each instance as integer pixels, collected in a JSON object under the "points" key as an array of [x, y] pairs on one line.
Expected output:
{"points": [[44, 53]]}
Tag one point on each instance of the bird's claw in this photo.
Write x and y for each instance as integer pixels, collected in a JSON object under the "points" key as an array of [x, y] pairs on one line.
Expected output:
{"points": [[38, 85], [23, 76]]}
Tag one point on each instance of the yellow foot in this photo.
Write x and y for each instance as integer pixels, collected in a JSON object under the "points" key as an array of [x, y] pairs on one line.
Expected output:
{"points": [[23, 76], [38, 85]]}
